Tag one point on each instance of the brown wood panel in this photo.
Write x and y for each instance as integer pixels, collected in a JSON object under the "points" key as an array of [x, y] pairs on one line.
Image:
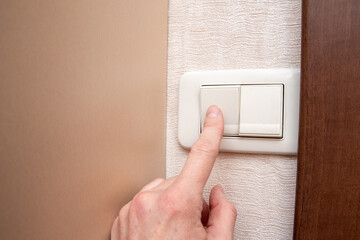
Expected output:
{"points": [[82, 113], [328, 182]]}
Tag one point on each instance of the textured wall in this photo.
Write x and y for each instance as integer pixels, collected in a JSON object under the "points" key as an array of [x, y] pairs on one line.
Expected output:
{"points": [[215, 35]]}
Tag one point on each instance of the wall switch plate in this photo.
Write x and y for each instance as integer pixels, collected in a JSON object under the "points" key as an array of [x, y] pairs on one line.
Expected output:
{"points": [[260, 108]]}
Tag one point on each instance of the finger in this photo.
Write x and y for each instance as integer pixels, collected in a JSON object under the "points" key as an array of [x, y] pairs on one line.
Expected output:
{"points": [[123, 221], [205, 213], [115, 230], [222, 216], [152, 184], [203, 152]]}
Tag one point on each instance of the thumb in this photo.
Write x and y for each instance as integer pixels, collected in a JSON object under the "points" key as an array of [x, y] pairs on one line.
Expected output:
{"points": [[222, 216]]}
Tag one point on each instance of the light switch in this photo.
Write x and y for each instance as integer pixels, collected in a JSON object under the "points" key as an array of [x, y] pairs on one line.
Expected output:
{"points": [[261, 110], [227, 98]]}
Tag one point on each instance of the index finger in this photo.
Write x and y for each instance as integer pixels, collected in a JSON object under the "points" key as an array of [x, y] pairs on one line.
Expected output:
{"points": [[203, 152]]}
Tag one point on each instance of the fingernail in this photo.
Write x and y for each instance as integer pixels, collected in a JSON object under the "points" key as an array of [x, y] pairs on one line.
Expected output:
{"points": [[213, 111], [221, 188]]}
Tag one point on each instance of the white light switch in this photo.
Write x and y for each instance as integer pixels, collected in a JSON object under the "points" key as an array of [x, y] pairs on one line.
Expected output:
{"points": [[261, 110], [227, 98]]}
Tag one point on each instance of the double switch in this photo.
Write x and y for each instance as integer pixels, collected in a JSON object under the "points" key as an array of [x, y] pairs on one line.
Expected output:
{"points": [[249, 110]]}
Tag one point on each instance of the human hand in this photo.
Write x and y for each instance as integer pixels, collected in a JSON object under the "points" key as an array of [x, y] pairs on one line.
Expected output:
{"points": [[175, 208]]}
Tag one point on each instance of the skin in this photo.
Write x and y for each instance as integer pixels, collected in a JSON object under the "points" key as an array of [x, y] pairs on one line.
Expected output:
{"points": [[174, 208]]}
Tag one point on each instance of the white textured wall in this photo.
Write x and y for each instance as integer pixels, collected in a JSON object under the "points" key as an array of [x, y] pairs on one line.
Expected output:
{"points": [[215, 35]]}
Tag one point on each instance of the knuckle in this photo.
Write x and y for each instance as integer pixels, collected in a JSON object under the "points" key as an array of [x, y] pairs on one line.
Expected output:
{"points": [[139, 203], [227, 206], [204, 146]]}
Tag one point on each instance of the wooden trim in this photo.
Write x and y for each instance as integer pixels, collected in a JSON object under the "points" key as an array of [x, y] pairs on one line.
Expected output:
{"points": [[328, 182]]}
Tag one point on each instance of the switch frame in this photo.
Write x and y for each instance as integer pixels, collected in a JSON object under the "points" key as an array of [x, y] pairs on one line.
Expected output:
{"points": [[189, 108]]}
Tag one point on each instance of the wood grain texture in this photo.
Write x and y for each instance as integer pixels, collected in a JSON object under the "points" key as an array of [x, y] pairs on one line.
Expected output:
{"points": [[328, 182]]}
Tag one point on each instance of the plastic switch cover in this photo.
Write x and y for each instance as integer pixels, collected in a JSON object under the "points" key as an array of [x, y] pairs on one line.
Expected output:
{"points": [[260, 107]]}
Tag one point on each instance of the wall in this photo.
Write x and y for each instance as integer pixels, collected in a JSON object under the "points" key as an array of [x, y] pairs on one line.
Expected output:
{"points": [[215, 35], [82, 104]]}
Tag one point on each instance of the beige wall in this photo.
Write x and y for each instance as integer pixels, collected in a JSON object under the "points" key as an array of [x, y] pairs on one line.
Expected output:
{"points": [[82, 104]]}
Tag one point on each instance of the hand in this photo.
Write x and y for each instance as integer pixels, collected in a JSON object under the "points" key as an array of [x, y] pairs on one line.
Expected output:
{"points": [[175, 208]]}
